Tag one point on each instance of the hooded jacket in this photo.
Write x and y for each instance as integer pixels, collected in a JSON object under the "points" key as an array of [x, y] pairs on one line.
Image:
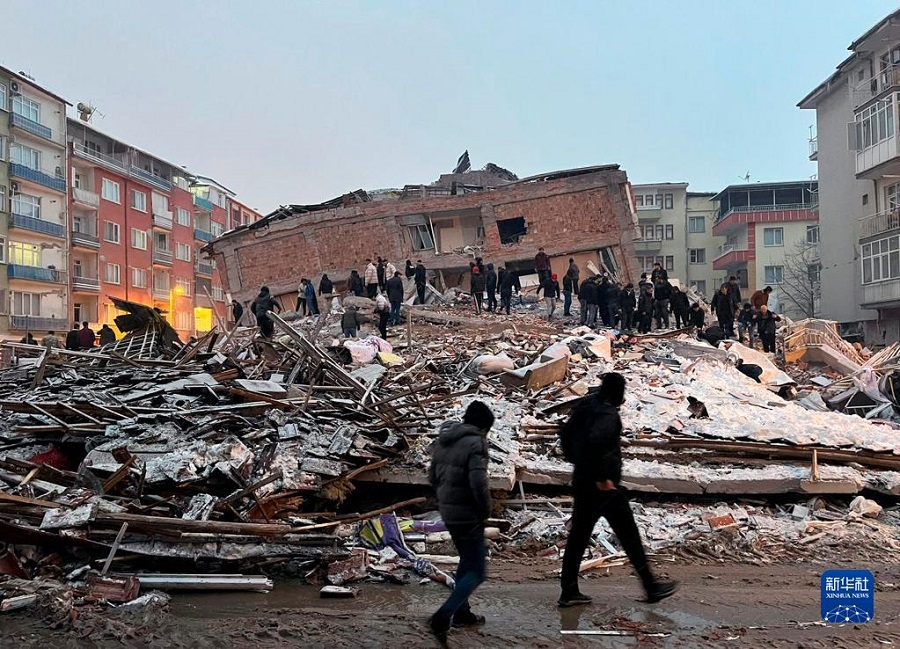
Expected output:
{"points": [[680, 302], [510, 282], [355, 285], [662, 291], [478, 283], [490, 278], [326, 286], [458, 474], [596, 430], [263, 303]]}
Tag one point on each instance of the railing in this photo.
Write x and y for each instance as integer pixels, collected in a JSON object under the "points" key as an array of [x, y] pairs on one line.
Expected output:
{"points": [[813, 147], [647, 208], [743, 209], [85, 239], [160, 293], [151, 179], [874, 86], [162, 219], [37, 225], [89, 283], [82, 151], [162, 257], [203, 203], [36, 176], [202, 235], [36, 273], [205, 269], [874, 224], [86, 197], [35, 128], [728, 248], [38, 324]]}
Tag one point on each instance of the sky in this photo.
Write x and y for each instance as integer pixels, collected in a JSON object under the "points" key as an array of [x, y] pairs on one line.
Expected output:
{"points": [[293, 101]]}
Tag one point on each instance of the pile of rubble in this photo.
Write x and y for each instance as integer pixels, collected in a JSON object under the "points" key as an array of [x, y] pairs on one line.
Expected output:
{"points": [[242, 456]]}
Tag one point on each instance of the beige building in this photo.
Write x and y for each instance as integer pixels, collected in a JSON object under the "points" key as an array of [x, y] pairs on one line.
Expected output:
{"points": [[702, 244]]}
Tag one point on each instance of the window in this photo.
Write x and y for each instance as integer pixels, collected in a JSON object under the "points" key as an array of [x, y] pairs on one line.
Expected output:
{"points": [[874, 124], [183, 217], [670, 262], [698, 255], [111, 232], [182, 251], [881, 260], [696, 224], [648, 199], [138, 278], [216, 229], [218, 294], [420, 236], [26, 205], [865, 199], [815, 273], [4, 97], [138, 239], [701, 286], [26, 303], [184, 285], [812, 234], [639, 200], [160, 204], [112, 273], [774, 274], [26, 107], [25, 254], [773, 237], [892, 197], [2, 147], [670, 201], [670, 232], [25, 155], [2, 198], [161, 242], [110, 190], [139, 200], [183, 321], [659, 200]]}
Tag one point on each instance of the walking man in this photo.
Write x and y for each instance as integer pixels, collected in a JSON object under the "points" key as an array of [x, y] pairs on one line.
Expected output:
{"points": [[766, 320], [261, 306], [458, 474], [550, 287], [490, 278], [591, 441], [478, 286], [574, 274], [509, 284], [680, 307], [355, 285], [724, 309]]}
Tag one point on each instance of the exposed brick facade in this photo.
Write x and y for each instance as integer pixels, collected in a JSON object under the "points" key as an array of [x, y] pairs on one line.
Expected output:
{"points": [[566, 214]]}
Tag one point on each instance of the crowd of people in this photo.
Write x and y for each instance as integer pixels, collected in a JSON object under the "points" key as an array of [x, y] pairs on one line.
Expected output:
{"points": [[79, 338]]}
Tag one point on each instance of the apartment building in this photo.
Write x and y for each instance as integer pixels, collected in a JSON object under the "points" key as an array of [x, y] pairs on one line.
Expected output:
{"points": [[857, 150], [34, 246], [701, 244], [771, 232], [137, 225]]}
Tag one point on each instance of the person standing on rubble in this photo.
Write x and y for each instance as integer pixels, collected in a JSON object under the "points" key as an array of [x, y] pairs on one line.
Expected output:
{"points": [[613, 289], [72, 338], [645, 309], [590, 439], [326, 291], [410, 269], [567, 295], [766, 320], [697, 315], [760, 297], [550, 287], [542, 265], [490, 282], [662, 295], [509, 284], [389, 270], [86, 336], [301, 298], [478, 285], [734, 291], [311, 302], [379, 273], [627, 305], [658, 272], [355, 284], [50, 341], [395, 293], [261, 306], [350, 322], [108, 336], [421, 281], [458, 475], [237, 312], [574, 274], [371, 277], [383, 311], [602, 297], [680, 307], [745, 324], [724, 309]]}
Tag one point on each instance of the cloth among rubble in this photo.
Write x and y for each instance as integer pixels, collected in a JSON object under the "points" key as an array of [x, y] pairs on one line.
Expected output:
{"points": [[366, 349]]}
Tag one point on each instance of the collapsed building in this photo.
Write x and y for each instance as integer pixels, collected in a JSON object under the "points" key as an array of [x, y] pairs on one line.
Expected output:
{"points": [[584, 213]]}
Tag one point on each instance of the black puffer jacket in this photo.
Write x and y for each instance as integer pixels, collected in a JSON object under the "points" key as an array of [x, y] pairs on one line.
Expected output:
{"points": [[595, 427], [458, 474]]}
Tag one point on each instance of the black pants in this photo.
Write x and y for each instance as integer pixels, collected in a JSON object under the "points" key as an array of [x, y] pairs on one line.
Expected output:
{"points": [[681, 319], [603, 309], [472, 570], [662, 314], [506, 301], [727, 326], [646, 321], [371, 290], [768, 341], [588, 506], [266, 326], [479, 298], [492, 301], [301, 305], [382, 322], [420, 291], [627, 318]]}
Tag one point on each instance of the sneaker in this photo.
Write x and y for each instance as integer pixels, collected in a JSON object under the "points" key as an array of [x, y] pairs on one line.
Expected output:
{"points": [[439, 630], [577, 599], [467, 619], [660, 590]]}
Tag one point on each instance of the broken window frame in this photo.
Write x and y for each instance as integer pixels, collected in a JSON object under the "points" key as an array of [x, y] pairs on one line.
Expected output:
{"points": [[510, 234], [420, 237]]}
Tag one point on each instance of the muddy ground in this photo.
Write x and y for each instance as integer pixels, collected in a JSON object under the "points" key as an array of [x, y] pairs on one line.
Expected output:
{"points": [[723, 605]]}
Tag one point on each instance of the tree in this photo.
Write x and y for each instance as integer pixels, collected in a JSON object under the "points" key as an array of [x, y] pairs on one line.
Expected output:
{"points": [[801, 282]]}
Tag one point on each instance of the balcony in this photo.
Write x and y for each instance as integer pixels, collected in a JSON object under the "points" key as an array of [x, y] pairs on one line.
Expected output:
{"points": [[161, 293], [648, 245], [879, 84], [649, 212], [814, 148], [880, 294], [151, 179], [875, 224], [36, 274], [731, 255], [38, 324], [162, 219], [55, 182], [86, 197], [85, 284], [96, 157], [203, 203], [85, 240], [37, 225], [204, 269], [202, 235], [744, 214], [30, 126], [162, 257]]}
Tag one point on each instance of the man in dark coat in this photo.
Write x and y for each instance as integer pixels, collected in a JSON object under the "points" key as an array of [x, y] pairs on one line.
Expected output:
{"points": [[107, 335], [603, 300], [237, 311], [550, 287], [490, 280], [734, 291], [680, 307], [574, 274], [421, 280], [591, 292], [509, 284], [261, 306], [72, 338], [645, 309], [697, 315], [355, 285], [458, 474], [395, 292], [591, 441], [766, 320], [86, 336], [379, 273], [627, 305], [567, 294], [612, 301], [326, 286], [410, 270], [662, 295], [478, 285], [724, 310], [658, 272], [542, 265]]}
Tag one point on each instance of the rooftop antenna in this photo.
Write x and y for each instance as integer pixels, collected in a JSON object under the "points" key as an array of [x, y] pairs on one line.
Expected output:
{"points": [[86, 111], [745, 177]]}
